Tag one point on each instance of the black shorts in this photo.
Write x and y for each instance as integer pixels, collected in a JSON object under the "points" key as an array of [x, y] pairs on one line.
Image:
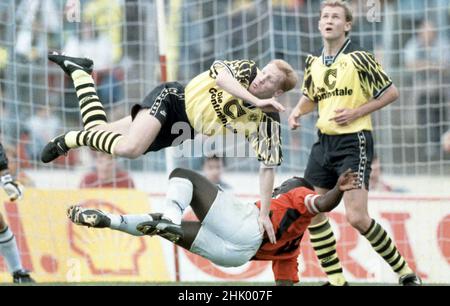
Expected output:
{"points": [[332, 155], [166, 103]]}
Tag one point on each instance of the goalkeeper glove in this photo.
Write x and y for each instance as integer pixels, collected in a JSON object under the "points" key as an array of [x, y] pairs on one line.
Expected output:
{"points": [[11, 187]]}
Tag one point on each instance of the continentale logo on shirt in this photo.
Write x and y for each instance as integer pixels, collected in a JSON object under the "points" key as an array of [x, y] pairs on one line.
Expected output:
{"points": [[323, 93], [330, 78], [231, 109], [216, 100], [330, 89]]}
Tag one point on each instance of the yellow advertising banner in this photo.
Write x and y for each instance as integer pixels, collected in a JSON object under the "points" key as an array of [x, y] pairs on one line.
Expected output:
{"points": [[56, 250]]}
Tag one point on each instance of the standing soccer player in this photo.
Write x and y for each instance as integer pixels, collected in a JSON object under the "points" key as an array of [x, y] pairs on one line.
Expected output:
{"points": [[8, 245], [347, 84], [231, 95]]}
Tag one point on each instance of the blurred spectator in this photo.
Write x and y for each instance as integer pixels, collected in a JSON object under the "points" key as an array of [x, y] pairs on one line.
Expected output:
{"points": [[13, 166], [107, 174], [196, 55], [446, 142], [42, 126], [213, 168], [107, 17], [3, 58], [100, 39], [427, 56], [99, 49], [366, 32], [37, 22], [376, 182], [286, 23]]}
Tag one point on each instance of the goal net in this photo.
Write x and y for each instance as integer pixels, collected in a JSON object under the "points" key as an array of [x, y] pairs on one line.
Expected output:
{"points": [[37, 102]]}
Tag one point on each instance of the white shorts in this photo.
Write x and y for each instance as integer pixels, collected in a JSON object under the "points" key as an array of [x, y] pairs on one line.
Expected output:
{"points": [[229, 235]]}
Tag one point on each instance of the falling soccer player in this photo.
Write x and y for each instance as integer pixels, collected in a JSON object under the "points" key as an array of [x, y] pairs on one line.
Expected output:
{"points": [[231, 95], [227, 232]]}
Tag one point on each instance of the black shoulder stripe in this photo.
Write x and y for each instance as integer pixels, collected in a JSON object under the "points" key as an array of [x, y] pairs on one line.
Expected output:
{"points": [[362, 60], [359, 65], [223, 64], [383, 90]]}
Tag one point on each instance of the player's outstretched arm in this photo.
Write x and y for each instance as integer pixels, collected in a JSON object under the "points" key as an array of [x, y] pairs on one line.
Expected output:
{"points": [[347, 181], [228, 83], [266, 181], [303, 107]]}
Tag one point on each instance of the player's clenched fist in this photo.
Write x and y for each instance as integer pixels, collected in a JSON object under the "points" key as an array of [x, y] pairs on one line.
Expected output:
{"points": [[11, 187]]}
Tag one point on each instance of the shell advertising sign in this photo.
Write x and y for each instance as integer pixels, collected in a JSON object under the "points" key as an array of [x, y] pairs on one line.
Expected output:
{"points": [[56, 250]]}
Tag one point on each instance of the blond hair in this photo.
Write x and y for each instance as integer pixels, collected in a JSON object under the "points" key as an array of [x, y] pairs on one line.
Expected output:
{"points": [[338, 3], [290, 76]]}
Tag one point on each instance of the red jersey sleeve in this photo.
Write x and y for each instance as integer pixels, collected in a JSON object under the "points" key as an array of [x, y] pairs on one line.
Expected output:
{"points": [[285, 269], [304, 199]]}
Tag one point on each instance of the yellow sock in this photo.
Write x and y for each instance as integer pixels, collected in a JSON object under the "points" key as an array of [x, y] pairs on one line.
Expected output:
{"points": [[324, 244], [384, 246]]}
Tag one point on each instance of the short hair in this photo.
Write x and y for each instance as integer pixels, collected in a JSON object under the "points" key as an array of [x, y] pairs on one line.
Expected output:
{"points": [[213, 158], [292, 183], [290, 76], [338, 3]]}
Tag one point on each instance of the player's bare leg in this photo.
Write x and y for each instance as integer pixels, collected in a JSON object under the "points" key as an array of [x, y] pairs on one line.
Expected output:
{"points": [[324, 244], [186, 188], [96, 218], [131, 139], [10, 252], [143, 131], [121, 126], [190, 231], [181, 193], [357, 215]]}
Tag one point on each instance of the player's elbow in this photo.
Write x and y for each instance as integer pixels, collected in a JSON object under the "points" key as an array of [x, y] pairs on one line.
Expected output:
{"points": [[394, 93], [222, 77], [220, 80], [324, 205]]}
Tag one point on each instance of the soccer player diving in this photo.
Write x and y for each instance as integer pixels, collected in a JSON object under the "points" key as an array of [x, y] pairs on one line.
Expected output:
{"points": [[231, 95], [228, 232]]}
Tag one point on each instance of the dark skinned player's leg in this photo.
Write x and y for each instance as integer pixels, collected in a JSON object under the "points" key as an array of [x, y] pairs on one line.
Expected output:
{"points": [[200, 195], [186, 188], [203, 196], [204, 192], [190, 231]]}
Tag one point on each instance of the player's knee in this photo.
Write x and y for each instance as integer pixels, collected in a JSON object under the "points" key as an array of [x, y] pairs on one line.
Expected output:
{"points": [[359, 221], [179, 172], [128, 150]]}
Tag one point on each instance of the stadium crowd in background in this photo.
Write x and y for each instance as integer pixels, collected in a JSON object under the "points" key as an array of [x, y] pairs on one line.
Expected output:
{"points": [[106, 174], [39, 29], [213, 168], [426, 55]]}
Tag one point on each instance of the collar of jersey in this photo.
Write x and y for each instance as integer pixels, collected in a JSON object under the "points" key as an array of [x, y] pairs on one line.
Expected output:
{"points": [[344, 46]]}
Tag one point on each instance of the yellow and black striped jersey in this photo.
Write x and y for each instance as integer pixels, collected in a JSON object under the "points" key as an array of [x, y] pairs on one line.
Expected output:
{"points": [[213, 111], [350, 80]]}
